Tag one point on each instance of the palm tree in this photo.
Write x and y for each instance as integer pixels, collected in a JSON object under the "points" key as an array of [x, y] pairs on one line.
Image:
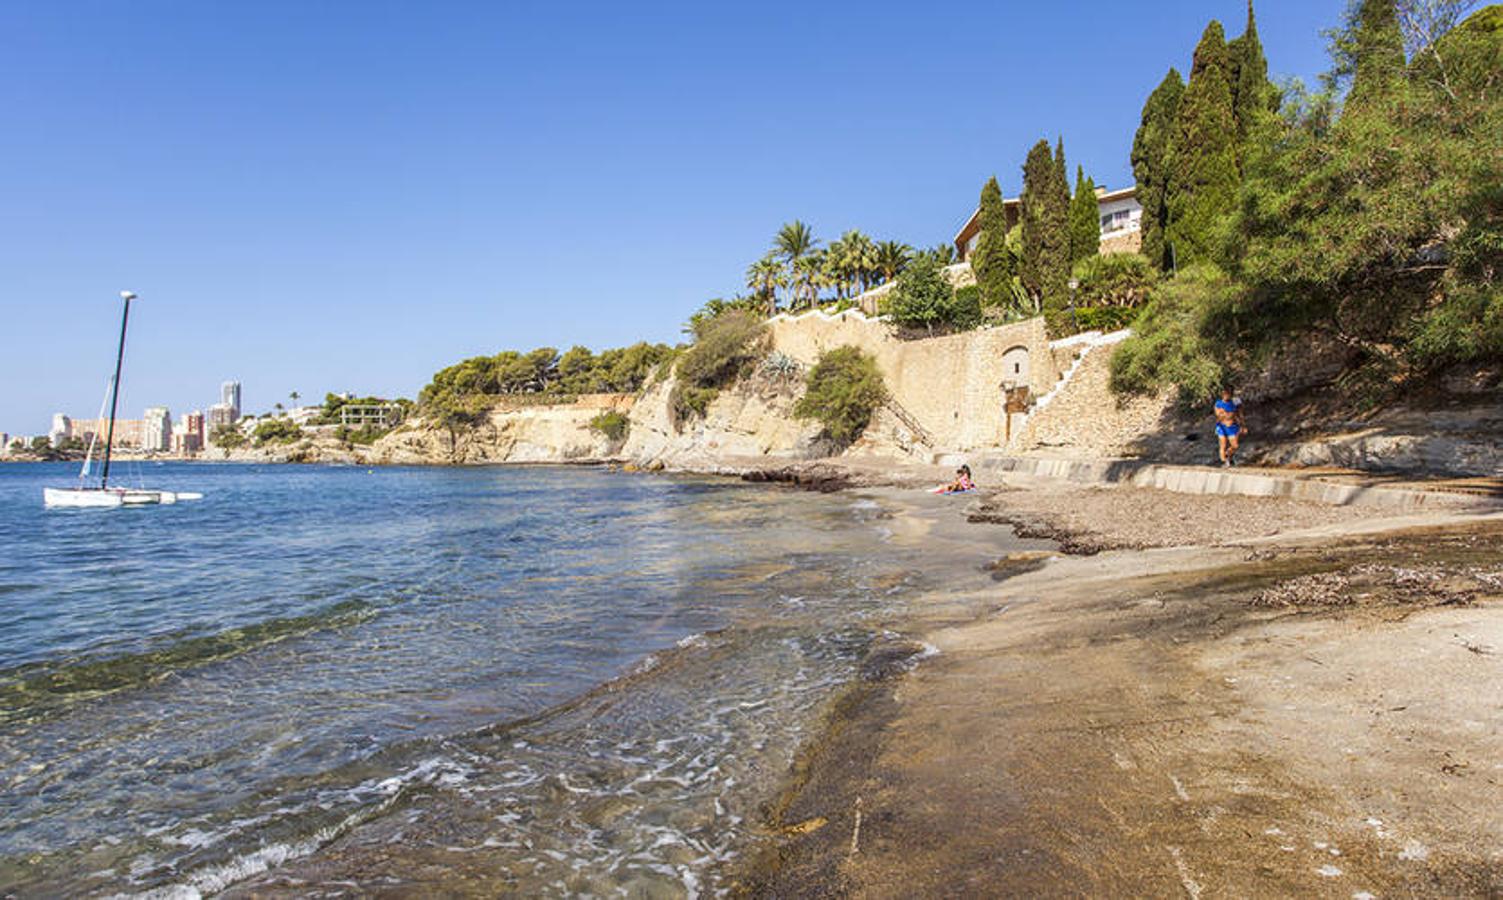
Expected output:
{"points": [[861, 257], [806, 273], [944, 254], [823, 264], [836, 268], [763, 278], [294, 397], [892, 258], [793, 242]]}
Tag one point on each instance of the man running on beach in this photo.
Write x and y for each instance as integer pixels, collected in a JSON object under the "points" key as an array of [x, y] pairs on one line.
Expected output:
{"points": [[1230, 426]]}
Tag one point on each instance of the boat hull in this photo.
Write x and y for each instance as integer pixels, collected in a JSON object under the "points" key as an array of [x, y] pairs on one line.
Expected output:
{"points": [[104, 498]]}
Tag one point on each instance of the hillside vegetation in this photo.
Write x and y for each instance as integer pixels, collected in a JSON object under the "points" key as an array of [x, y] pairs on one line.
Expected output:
{"points": [[1365, 218], [460, 394]]}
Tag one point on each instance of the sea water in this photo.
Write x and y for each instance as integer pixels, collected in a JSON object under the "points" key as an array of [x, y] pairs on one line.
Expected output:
{"points": [[527, 680]]}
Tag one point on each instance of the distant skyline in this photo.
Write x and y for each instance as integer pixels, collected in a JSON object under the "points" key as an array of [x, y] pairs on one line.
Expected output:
{"points": [[349, 196]]}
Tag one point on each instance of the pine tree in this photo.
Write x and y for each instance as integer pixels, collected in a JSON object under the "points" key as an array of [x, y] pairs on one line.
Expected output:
{"points": [[1150, 164], [1085, 219], [991, 260], [1203, 156], [1044, 263], [1379, 51], [1252, 94]]}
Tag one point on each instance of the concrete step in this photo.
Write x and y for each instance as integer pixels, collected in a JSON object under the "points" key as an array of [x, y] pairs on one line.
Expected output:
{"points": [[1338, 490]]}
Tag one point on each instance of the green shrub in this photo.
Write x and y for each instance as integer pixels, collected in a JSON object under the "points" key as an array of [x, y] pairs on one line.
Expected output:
{"points": [[725, 348], [364, 435], [1467, 326], [714, 309], [277, 431], [1106, 318], [227, 436], [965, 308], [1168, 347], [690, 402], [844, 388], [612, 424], [1117, 279], [922, 298]]}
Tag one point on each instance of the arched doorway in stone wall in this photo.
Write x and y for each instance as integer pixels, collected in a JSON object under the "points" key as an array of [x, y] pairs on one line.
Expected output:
{"points": [[1015, 367], [1015, 393]]}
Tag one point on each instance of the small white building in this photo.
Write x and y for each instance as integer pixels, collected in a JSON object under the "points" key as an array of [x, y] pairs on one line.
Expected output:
{"points": [[302, 415], [1121, 218], [1120, 211]]}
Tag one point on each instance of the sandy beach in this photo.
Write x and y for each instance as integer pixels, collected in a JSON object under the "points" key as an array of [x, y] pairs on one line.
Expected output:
{"points": [[1213, 696]]}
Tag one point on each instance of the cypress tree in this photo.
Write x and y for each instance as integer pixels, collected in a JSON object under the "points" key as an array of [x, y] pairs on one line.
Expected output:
{"points": [[1044, 263], [1379, 49], [1203, 157], [1252, 95], [991, 260], [1085, 219], [1059, 168], [1150, 164]]}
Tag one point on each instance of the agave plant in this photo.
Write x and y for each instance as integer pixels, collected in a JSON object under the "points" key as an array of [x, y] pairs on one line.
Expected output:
{"points": [[780, 366]]}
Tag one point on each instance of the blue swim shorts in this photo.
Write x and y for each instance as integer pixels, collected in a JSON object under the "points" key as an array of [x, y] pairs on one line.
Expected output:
{"points": [[1227, 430]]}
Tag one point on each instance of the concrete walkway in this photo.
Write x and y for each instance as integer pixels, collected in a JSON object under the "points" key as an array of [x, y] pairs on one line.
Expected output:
{"points": [[1332, 486]]}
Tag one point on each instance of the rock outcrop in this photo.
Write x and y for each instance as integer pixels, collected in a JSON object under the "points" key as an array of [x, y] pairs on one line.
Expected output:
{"points": [[527, 434], [753, 418]]}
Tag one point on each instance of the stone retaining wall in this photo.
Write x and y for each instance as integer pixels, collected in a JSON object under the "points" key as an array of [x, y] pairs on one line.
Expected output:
{"points": [[952, 385]]}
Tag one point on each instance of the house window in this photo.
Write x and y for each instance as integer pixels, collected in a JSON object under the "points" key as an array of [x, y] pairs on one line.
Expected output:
{"points": [[1116, 221]]}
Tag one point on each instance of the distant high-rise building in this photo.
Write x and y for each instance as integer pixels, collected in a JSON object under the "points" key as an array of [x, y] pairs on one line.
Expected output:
{"points": [[220, 415], [128, 432], [61, 430], [229, 395], [189, 435], [156, 429]]}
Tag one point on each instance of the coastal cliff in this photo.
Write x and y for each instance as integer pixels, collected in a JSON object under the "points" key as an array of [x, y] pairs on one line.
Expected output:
{"points": [[948, 395], [549, 433]]}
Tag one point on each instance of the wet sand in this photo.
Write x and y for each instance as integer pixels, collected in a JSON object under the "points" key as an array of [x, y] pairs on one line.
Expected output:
{"points": [[1316, 712]]}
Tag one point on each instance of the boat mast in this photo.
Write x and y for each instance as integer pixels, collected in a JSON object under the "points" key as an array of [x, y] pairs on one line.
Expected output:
{"points": [[109, 439]]}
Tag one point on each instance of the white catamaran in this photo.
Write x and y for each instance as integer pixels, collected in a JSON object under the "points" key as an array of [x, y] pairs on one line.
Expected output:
{"points": [[102, 495]]}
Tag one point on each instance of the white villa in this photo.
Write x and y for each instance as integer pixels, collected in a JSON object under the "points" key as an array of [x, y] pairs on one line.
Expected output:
{"points": [[1121, 218]]}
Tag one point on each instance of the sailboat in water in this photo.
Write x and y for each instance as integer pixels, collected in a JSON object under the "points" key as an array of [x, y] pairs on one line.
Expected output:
{"points": [[102, 494]]}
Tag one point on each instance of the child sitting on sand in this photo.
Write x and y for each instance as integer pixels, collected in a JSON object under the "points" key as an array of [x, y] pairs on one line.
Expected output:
{"points": [[961, 484]]}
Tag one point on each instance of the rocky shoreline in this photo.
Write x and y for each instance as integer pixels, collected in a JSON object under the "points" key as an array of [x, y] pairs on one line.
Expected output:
{"points": [[1309, 712], [1186, 694]]}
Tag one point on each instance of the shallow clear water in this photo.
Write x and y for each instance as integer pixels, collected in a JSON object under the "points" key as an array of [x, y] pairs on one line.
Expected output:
{"points": [[541, 680]]}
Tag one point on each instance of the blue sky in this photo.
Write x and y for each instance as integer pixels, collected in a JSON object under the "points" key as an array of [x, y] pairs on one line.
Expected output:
{"points": [[325, 196]]}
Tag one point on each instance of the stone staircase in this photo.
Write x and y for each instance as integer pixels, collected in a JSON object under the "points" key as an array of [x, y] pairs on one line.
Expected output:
{"points": [[920, 433], [1077, 349]]}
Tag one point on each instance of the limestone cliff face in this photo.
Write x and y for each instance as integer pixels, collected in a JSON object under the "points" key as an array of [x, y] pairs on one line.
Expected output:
{"points": [[530, 434], [947, 394], [753, 418]]}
